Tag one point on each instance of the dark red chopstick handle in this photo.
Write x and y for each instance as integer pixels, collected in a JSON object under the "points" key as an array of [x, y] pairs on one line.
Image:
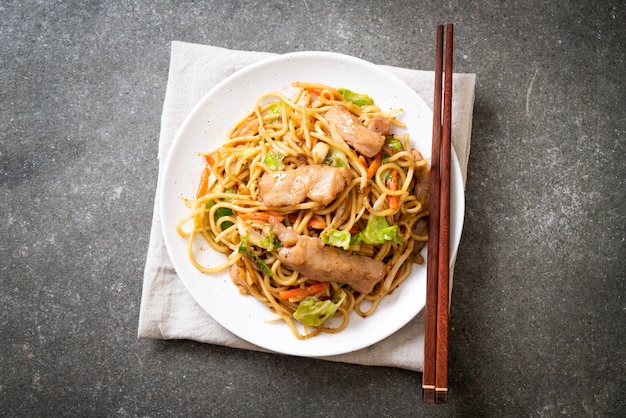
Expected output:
{"points": [[430, 310], [443, 293], [435, 375]]}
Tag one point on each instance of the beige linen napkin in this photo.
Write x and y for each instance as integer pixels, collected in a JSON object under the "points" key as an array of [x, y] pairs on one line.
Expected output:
{"points": [[167, 309]]}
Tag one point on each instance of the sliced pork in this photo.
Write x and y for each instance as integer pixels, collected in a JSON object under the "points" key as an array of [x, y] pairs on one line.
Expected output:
{"points": [[362, 139], [380, 124], [311, 258], [320, 183]]}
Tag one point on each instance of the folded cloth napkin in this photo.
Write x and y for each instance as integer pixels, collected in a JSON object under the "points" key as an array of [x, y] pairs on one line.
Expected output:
{"points": [[167, 309]]}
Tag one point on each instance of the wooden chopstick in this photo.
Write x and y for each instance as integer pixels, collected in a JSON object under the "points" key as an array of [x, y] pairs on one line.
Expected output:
{"points": [[443, 296], [430, 310], [435, 376]]}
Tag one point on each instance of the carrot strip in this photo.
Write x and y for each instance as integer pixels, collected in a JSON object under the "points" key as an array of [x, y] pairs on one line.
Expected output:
{"points": [[300, 292], [394, 177], [392, 184], [394, 202], [261, 216], [363, 161], [314, 90], [209, 160], [204, 182], [376, 162], [316, 223]]}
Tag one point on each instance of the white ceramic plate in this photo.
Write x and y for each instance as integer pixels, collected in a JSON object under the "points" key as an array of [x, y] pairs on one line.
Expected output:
{"points": [[204, 129]]}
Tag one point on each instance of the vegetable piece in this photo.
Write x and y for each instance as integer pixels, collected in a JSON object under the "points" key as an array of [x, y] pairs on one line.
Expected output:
{"points": [[261, 216], [299, 292], [204, 182], [378, 231], [209, 160], [314, 90], [358, 99], [375, 165], [314, 312], [276, 108], [274, 160], [221, 212], [259, 235], [394, 144], [336, 158], [392, 184], [246, 250], [315, 223], [320, 151], [394, 202], [336, 238], [270, 242]]}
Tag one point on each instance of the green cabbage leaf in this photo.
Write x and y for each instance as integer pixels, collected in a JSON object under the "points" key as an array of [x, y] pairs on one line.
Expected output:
{"points": [[314, 312]]}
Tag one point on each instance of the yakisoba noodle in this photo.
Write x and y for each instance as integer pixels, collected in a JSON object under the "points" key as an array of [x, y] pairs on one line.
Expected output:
{"points": [[283, 133]]}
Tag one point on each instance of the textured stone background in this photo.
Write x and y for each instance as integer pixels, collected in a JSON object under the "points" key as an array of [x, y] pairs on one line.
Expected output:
{"points": [[538, 310]]}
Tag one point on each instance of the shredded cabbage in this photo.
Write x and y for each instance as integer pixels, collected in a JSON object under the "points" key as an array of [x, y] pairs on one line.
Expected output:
{"points": [[277, 107], [262, 237], [336, 158], [358, 99], [378, 231], [336, 238], [274, 160], [221, 211], [394, 144], [246, 250], [314, 312]]}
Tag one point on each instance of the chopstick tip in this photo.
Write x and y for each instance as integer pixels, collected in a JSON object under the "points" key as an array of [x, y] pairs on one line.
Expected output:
{"points": [[441, 395], [428, 395]]}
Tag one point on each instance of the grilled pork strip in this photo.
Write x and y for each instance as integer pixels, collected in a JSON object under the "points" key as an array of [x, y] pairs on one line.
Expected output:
{"points": [[366, 141], [320, 183], [311, 258]]}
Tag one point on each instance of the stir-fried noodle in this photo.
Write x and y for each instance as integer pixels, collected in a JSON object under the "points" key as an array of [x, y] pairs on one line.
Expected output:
{"points": [[380, 213]]}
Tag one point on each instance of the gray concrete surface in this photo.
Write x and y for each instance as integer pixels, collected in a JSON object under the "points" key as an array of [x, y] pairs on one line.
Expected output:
{"points": [[539, 304]]}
